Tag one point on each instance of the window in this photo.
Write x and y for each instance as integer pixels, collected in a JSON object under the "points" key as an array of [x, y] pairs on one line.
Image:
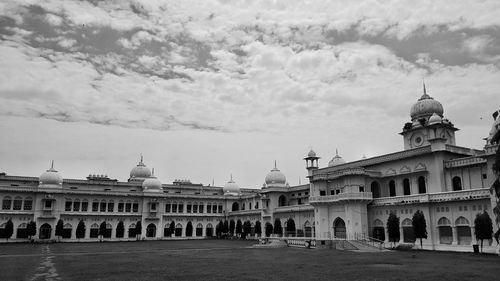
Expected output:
{"points": [[153, 206], [195, 208], [188, 208], [6, 203], [68, 205], [406, 187], [220, 209], [48, 205], [174, 208], [361, 189], [209, 208], [95, 206], [322, 193], [200, 209], [28, 204], [256, 205], [485, 176], [85, 205], [332, 192], [18, 204], [457, 183], [181, 208], [168, 208], [111, 206], [135, 207], [102, 206], [375, 188], [120, 206], [76, 205], [128, 207], [421, 185], [392, 188]]}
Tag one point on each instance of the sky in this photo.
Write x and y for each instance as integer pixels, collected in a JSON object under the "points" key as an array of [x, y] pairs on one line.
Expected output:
{"points": [[205, 89]]}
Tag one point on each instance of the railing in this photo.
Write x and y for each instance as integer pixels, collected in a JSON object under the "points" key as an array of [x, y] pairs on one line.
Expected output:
{"points": [[464, 162], [296, 208], [340, 173], [374, 242], [434, 197], [300, 242], [341, 197]]}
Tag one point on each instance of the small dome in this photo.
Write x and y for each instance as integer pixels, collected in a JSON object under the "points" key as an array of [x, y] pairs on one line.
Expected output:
{"points": [[231, 188], [51, 178], [152, 184], [336, 160], [140, 172], [425, 107], [434, 119], [311, 153], [275, 178]]}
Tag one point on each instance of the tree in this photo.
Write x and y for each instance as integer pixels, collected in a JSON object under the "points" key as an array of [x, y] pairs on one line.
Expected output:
{"points": [[239, 227], [258, 228], [483, 227], [231, 227], [120, 230], [247, 228], [290, 226], [171, 228], [9, 229], [31, 229], [277, 227], [59, 228], [138, 229], [225, 227], [189, 229], [419, 226], [393, 228], [269, 229], [102, 229], [80, 230]]}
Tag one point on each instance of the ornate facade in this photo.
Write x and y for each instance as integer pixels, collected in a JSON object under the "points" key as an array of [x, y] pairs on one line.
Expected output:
{"points": [[450, 184]]}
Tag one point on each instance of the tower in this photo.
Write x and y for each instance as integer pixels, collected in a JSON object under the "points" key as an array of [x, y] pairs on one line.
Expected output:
{"points": [[311, 162]]}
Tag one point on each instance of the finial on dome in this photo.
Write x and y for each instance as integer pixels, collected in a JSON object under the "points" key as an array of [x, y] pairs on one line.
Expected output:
{"points": [[275, 164], [52, 165], [336, 151], [152, 172], [231, 176], [423, 82], [141, 158]]}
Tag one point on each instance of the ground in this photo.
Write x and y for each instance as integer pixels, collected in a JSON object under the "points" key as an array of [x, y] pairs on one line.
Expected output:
{"points": [[232, 260]]}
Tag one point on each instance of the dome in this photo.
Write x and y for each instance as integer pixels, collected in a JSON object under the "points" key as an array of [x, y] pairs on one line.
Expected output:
{"points": [[140, 172], [275, 178], [336, 160], [311, 153], [152, 184], [231, 188], [425, 107], [434, 119], [51, 178]]}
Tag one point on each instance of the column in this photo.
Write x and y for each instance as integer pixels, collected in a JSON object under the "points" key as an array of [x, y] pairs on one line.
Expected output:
{"points": [[473, 235], [454, 233]]}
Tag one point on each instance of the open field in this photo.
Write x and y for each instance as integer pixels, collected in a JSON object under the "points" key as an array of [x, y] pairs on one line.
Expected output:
{"points": [[231, 260]]}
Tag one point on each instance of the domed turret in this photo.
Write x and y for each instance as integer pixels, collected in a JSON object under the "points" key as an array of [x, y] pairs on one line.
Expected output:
{"points": [[311, 153], [435, 119], [425, 107], [152, 184], [275, 178], [51, 178], [140, 172], [231, 188], [336, 160]]}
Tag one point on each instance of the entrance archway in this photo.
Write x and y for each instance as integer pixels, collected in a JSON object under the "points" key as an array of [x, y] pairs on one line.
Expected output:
{"points": [[45, 231], [151, 230], [339, 230]]}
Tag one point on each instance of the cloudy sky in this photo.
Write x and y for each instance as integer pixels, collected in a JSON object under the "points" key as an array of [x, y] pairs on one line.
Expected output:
{"points": [[207, 88]]}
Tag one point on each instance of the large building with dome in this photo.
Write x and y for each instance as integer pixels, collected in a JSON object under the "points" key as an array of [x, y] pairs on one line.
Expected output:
{"points": [[449, 183]]}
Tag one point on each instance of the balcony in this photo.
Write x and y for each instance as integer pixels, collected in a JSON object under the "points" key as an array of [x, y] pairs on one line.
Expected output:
{"points": [[468, 161], [341, 197], [471, 194], [294, 208]]}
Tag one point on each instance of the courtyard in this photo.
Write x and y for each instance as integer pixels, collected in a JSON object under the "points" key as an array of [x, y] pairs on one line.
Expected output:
{"points": [[231, 260]]}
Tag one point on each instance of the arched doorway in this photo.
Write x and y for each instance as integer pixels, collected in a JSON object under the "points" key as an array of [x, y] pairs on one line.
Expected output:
{"points": [[131, 231], [378, 230], [178, 230], [199, 230], [408, 233], [392, 188], [464, 236], [421, 185], [45, 231], [457, 183], [235, 207], [151, 230], [209, 230], [445, 232], [406, 187], [307, 229], [339, 230], [282, 201], [375, 187]]}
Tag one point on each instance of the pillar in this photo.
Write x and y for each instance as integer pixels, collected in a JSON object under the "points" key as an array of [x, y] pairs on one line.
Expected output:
{"points": [[454, 233]]}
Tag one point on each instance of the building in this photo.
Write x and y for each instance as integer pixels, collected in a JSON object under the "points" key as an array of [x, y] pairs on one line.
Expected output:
{"points": [[450, 184]]}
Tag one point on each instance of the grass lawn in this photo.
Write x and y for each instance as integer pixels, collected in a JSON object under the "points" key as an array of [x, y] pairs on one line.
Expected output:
{"points": [[232, 260]]}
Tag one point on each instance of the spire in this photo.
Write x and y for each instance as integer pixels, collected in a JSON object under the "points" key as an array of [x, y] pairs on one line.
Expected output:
{"points": [[423, 82], [153, 172], [275, 164], [336, 151], [141, 158], [231, 176], [52, 165]]}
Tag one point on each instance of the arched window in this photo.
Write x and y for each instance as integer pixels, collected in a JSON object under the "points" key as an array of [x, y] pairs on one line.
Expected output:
{"points": [[199, 229], [18, 203], [339, 229], [421, 185], [28, 204], [22, 232], [378, 230], [94, 230], [392, 188], [6, 203], [121, 206], [151, 230], [375, 188], [85, 205], [111, 206], [406, 187], [45, 231], [102, 207], [235, 206], [68, 205], [178, 230], [131, 231], [307, 229], [457, 183], [76, 205], [209, 230], [282, 201], [445, 232], [408, 234], [464, 235], [67, 229], [95, 206]]}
